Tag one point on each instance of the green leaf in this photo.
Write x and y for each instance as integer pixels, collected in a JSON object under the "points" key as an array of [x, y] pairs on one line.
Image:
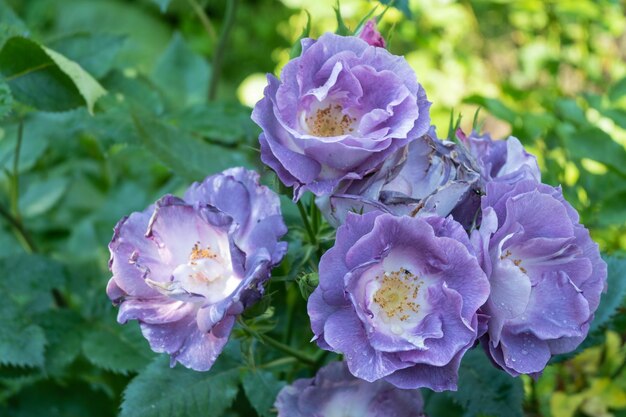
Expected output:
{"points": [[342, 29], [28, 280], [307, 283], [228, 123], [42, 196], [10, 25], [485, 390], [162, 4], [21, 345], [159, 391], [618, 90], [118, 348], [6, 100], [402, 5], [64, 330], [94, 52], [296, 49], [495, 107], [261, 388], [186, 155], [45, 79], [615, 295], [595, 144], [182, 74]]}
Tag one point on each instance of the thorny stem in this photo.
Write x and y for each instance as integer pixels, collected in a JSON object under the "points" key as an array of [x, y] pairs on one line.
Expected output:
{"points": [[218, 56]]}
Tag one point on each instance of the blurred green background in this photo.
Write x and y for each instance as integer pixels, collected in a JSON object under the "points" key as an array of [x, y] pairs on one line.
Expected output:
{"points": [[552, 73]]}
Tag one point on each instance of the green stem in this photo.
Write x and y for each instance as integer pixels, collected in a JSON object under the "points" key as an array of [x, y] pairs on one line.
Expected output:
{"points": [[218, 56], [285, 349], [307, 225], [278, 345], [204, 19], [21, 233], [15, 188], [278, 362]]}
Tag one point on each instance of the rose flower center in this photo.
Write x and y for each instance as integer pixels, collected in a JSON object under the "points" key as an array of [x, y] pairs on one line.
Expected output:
{"points": [[329, 121], [397, 302], [206, 277]]}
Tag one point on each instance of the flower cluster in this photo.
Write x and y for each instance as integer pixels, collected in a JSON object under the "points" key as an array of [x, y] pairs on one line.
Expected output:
{"points": [[439, 245]]}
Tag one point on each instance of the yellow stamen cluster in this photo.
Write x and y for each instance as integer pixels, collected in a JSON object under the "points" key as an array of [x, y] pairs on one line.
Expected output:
{"points": [[516, 262], [330, 121], [200, 253], [397, 294]]}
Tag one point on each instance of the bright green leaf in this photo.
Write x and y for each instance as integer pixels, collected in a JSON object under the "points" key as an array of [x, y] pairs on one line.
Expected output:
{"points": [[94, 52], [118, 348], [495, 107], [296, 49], [342, 29], [45, 79], [159, 391], [593, 143], [261, 388]]}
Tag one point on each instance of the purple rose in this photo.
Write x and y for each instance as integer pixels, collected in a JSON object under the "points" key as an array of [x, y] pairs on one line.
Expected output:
{"points": [[335, 392], [546, 275], [370, 34], [429, 176], [500, 160], [338, 111], [398, 297], [185, 268]]}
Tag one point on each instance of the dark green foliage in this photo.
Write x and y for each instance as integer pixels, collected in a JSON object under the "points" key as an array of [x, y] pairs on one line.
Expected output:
{"points": [[261, 388], [485, 390], [162, 392]]}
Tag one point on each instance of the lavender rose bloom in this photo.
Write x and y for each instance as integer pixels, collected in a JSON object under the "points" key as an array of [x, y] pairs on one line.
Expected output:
{"points": [[338, 111], [500, 160], [185, 268], [334, 392], [546, 275], [398, 297], [429, 176]]}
